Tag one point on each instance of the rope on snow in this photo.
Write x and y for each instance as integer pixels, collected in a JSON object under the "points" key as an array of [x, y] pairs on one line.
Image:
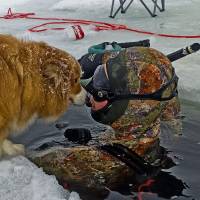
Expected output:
{"points": [[99, 26]]}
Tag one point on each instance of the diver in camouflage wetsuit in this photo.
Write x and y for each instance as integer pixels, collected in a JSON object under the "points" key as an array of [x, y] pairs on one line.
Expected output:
{"points": [[121, 95]]}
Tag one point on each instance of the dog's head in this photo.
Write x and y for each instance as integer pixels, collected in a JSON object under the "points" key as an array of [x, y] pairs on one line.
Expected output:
{"points": [[62, 75]]}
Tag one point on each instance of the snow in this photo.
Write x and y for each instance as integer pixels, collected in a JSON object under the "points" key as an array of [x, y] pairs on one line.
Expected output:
{"points": [[19, 178], [64, 4], [6, 4], [181, 17], [22, 180]]}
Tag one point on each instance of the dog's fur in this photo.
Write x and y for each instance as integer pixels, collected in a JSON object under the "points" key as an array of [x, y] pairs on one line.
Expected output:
{"points": [[36, 81]]}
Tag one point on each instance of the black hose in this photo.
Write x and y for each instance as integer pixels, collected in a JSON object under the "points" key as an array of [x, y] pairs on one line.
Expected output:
{"points": [[143, 43]]}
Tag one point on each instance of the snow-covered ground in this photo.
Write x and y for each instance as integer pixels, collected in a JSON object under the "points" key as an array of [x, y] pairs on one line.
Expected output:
{"points": [[20, 179], [180, 18]]}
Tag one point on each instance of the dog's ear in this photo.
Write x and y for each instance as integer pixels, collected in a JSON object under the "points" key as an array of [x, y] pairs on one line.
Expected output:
{"points": [[53, 75]]}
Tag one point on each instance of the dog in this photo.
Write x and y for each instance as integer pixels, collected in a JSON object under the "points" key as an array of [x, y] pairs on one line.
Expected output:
{"points": [[37, 81]]}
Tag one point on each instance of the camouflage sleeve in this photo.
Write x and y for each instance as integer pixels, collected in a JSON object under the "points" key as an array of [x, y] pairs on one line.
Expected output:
{"points": [[170, 115]]}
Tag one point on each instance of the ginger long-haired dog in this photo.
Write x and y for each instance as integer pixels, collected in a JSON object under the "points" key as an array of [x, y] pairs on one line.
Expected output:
{"points": [[36, 81]]}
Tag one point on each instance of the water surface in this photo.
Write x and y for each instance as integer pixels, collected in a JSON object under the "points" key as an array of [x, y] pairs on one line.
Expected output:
{"points": [[181, 181]]}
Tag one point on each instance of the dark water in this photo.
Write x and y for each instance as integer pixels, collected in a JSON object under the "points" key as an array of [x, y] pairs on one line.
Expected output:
{"points": [[181, 181]]}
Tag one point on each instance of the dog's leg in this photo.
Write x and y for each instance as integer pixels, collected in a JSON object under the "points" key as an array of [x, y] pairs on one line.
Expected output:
{"points": [[12, 149], [3, 136], [1, 150]]}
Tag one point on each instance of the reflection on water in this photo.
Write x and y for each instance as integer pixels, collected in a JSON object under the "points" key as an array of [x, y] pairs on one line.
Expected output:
{"points": [[164, 185]]}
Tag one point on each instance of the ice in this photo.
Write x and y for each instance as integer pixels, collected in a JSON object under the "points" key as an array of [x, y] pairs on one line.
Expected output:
{"points": [[11, 3], [74, 196], [22, 180], [72, 5], [19, 178]]}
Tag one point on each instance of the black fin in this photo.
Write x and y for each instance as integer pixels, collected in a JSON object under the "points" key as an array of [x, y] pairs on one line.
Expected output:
{"points": [[131, 159]]}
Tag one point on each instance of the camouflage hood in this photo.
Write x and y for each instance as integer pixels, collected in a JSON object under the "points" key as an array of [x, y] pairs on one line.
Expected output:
{"points": [[137, 70]]}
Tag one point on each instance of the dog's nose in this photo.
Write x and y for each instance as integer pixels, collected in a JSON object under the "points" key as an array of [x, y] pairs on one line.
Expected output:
{"points": [[79, 99]]}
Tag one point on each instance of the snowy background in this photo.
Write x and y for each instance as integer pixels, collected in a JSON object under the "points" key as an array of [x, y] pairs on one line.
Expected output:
{"points": [[20, 179], [180, 18]]}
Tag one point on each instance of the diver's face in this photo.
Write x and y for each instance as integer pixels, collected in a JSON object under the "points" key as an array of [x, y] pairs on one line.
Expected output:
{"points": [[95, 105], [99, 82]]}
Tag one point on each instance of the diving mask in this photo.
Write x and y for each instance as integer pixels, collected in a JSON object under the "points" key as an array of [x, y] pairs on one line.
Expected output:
{"points": [[99, 87]]}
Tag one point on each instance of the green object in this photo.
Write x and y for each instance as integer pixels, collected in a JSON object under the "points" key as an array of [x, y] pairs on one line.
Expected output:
{"points": [[103, 47]]}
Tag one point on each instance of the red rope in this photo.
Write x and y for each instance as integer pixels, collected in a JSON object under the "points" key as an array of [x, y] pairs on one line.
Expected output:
{"points": [[162, 34], [10, 15], [99, 26], [147, 184]]}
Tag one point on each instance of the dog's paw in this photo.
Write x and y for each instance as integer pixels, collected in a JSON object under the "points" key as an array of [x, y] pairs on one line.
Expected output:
{"points": [[12, 149]]}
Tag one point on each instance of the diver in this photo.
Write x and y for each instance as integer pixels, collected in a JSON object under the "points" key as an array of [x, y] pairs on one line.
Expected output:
{"points": [[131, 90]]}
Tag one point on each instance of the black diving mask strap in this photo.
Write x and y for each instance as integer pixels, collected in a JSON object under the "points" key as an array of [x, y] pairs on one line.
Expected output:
{"points": [[100, 95]]}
